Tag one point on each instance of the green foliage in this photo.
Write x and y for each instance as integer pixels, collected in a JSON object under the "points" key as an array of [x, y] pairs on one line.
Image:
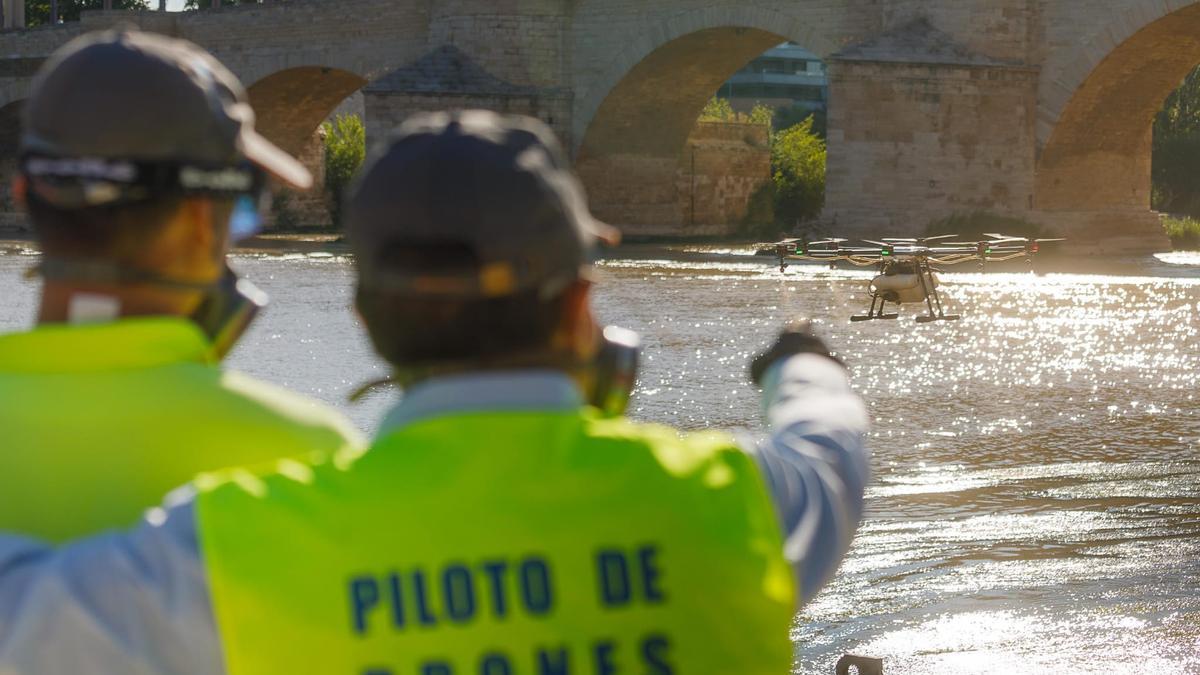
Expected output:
{"points": [[975, 224], [37, 12], [1184, 232], [793, 115], [797, 189], [798, 172], [1175, 173], [719, 110], [762, 114], [760, 212], [205, 4], [1180, 114], [345, 150], [1175, 168]]}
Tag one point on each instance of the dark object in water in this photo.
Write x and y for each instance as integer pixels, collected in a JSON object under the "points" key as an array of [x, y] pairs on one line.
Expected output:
{"points": [[865, 665]]}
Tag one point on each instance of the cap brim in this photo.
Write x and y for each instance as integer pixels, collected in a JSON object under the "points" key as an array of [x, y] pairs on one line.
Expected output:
{"points": [[603, 232], [275, 161]]}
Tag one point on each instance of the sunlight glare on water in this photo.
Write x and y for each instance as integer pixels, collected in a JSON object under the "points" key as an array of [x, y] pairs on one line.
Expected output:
{"points": [[1036, 501], [1035, 505]]}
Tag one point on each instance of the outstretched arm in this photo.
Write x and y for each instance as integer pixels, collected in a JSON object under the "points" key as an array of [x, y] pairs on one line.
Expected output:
{"points": [[815, 462], [130, 602]]}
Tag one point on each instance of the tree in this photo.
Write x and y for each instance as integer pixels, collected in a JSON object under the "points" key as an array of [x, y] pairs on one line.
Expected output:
{"points": [[1176, 153], [717, 110], [205, 4], [1180, 114], [798, 168], [345, 150], [762, 114], [720, 110], [37, 12], [790, 116]]}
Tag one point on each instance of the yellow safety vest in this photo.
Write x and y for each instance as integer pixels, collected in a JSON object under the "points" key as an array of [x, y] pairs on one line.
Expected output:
{"points": [[99, 421], [541, 543]]}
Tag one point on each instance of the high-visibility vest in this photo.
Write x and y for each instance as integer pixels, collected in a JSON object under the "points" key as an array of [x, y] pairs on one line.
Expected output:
{"points": [[531, 543], [99, 421]]}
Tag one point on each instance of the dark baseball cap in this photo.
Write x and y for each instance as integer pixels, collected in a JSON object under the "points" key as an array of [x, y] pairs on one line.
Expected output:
{"points": [[471, 204], [146, 98]]}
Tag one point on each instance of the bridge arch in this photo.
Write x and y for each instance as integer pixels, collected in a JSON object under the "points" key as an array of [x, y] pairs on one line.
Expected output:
{"points": [[290, 104], [14, 90], [631, 158], [736, 29], [1096, 117], [652, 109]]}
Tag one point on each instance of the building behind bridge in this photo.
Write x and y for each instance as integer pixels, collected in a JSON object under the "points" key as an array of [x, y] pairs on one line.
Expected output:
{"points": [[788, 78]]}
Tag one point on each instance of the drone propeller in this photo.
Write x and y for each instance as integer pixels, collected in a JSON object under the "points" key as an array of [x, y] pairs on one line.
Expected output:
{"points": [[824, 242], [917, 241], [1023, 240]]}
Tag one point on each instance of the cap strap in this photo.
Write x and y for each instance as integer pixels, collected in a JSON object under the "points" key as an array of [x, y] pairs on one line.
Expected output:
{"points": [[80, 182]]}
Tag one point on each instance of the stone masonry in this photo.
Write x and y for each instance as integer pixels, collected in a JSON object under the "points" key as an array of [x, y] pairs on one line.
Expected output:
{"points": [[705, 191], [1035, 108], [895, 168], [292, 209]]}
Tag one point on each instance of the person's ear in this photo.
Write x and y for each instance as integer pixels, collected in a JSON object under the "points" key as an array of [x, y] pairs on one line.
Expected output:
{"points": [[198, 213], [577, 325]]}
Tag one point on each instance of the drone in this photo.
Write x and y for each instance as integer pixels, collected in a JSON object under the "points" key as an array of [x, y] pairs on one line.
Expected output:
{"points": [[908, 267]]}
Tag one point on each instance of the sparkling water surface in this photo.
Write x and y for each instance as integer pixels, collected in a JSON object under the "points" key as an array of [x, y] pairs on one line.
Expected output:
{"points": [[1035, 505]]}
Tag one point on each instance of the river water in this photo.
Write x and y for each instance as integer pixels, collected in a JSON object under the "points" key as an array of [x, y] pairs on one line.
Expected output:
{"points": [[1036, 499]]}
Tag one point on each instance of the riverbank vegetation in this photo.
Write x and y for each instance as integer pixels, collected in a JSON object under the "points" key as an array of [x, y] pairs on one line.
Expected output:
{"points": [[1183, 231], [1175, 168], [796, 192], [798, 173], [345, 150]]}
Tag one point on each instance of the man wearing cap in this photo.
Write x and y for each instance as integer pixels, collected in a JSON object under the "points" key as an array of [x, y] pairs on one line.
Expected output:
{"points": [[507, 519], [138, 163]]}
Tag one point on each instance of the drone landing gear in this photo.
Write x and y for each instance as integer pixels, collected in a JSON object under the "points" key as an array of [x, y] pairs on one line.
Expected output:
{"points": [[876, 311], [943, 317], [929, 285]]}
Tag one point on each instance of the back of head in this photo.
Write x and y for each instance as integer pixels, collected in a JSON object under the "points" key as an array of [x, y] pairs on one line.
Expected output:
{"points": [[467, 227], [121, 126]]}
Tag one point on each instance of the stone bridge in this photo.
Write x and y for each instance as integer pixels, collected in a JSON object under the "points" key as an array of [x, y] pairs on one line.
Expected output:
{"points": [[1040, 109]]}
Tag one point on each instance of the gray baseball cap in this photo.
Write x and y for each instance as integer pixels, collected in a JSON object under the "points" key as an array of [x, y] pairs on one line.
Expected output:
{"points": [[471, 204], [146, 98]]}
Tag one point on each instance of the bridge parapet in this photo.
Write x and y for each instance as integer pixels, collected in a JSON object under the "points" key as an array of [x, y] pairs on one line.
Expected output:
{"points": [[1022, 107]]}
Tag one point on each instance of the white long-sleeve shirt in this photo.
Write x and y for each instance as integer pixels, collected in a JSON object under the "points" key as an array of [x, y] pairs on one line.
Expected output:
{"points": [[137, 601]]}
